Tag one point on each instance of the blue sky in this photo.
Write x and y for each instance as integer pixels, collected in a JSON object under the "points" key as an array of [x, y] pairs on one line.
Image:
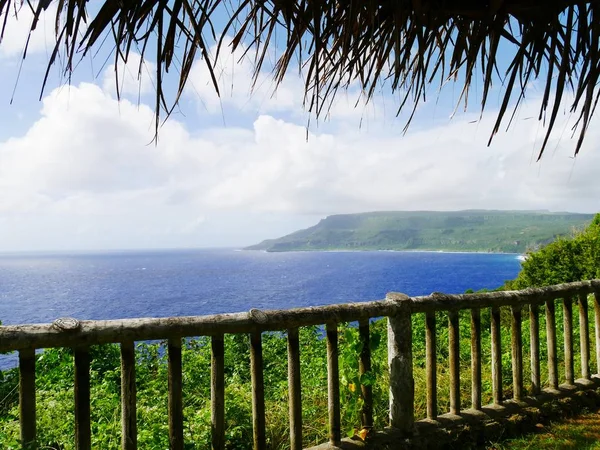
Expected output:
{"points": [[78, 171]]}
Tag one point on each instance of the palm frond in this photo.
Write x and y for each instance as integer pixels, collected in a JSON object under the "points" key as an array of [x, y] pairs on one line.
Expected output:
{"points": [[406, 44]]}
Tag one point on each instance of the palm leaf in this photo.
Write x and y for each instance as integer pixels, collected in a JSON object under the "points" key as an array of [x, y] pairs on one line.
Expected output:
{"points": [[406, 44]]}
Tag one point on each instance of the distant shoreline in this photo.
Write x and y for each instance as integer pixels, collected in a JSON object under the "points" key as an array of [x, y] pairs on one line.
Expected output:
{"points": [[481, 252]]}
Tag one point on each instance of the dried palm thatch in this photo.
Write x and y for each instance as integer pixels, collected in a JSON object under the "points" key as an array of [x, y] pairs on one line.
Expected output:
{"points": [[407, 44]]}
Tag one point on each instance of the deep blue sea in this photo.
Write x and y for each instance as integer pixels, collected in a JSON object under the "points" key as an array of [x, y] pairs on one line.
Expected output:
{"points": [[42, 288]]}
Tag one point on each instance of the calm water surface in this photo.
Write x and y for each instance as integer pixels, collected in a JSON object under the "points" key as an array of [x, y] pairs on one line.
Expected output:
{"points": [[41, 288]]}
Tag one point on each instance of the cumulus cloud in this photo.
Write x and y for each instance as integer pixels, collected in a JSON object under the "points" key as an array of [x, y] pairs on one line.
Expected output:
{"points": [[17, 32], [134, 77], [88, 174], [241, 91]]}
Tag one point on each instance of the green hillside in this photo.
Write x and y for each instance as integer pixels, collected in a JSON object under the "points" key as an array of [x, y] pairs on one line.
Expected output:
{"points": [[473, 230]]}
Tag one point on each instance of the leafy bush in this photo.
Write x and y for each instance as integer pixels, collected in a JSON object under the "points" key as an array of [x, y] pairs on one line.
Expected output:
{"points": [[562, 261]]}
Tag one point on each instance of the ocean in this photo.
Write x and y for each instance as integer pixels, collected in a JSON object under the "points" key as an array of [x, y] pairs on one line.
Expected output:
{"points": [[41, 288], [117, 285]]}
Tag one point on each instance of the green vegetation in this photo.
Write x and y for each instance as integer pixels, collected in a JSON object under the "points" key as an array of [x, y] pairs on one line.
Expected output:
{"points": [[54, 382], [476, 230], [581, 433], [564, 260]]}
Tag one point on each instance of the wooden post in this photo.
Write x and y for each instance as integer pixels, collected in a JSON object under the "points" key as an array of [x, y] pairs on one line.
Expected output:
{"points": [[517, 352], [568, 335], [27, 397], [217, 392], [295, 389], [431, 365], [454, 361], [333, 386], [175, 395], [83, 433], [584, 340], [534, 337], [258, 392], [551, 342], [401, 366], [128, 397], [364, 366], [597, 329], [496, 357], [476, 358]]}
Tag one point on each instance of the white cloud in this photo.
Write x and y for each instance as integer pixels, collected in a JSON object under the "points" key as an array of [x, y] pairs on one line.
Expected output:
{"points": [[86, 174], [241, 91], [234, 73], [132, 78], [17, 31]]}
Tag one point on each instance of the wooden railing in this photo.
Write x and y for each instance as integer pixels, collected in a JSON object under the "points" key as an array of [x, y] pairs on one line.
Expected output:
{"points": [[397, 307]]}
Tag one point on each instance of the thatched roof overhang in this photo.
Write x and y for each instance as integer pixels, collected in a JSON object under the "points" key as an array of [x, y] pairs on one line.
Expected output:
{"points": [[407, 44]]}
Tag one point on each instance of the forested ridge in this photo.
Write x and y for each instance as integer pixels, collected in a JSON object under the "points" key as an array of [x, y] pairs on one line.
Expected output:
{"points": [[475, 230]]}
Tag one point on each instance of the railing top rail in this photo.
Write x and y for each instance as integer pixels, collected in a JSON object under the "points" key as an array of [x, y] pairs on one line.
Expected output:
{"points": [[444, 302], [93, 332]]}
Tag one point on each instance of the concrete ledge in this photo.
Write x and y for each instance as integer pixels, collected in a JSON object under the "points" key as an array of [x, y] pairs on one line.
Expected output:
{"points": [[474, 428]]}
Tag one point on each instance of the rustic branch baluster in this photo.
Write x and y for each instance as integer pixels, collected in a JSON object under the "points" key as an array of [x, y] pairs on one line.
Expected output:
{"points": [[258, 392], [175, 394], [551, 342], [399, 310], [517, 352], [431, 365], [295, 389], [128, 397], [476, 358], [364, 367], [496, 357], [27, 396], [454, 361], [400, 364], [217, 392], [584, 339], [333, 385], [534, 337], [568, 339], [83, 433]]}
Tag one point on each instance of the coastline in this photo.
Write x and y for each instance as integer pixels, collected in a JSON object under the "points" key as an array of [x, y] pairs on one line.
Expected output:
{"points": [[480, 252]]}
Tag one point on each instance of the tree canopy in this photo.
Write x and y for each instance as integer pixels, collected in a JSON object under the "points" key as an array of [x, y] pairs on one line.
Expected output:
{"points": [[562, 261], [406, 44]]}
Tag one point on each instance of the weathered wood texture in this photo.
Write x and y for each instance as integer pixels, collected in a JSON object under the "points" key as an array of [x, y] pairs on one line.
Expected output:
{"points": [[397, 307], [27, 397], [475, 359], [333, 385], [258, 392], [496, 356], [584, 337], [128, 397], [17, 337], [454, 361], [217, 392], [400, 363], [517, 352], [568, 340], [534, 338], [551, 344], [175, 395], [295, 389], [83, 430], [431, 364], [364, 367]]}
